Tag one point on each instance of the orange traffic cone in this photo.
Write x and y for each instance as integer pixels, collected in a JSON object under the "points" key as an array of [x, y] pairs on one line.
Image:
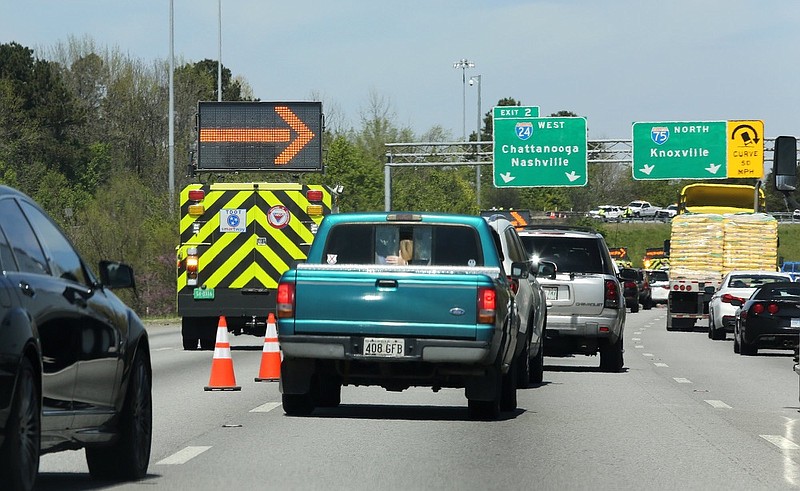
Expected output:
{"points": [[270, 370], [222, 376]]}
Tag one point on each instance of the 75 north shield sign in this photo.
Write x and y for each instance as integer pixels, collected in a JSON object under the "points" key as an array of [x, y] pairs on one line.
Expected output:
{"points": [[679, 150]]}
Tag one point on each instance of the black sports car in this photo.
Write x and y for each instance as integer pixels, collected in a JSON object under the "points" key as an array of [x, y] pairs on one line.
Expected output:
{"points": [[770, 318], [74, 359]]}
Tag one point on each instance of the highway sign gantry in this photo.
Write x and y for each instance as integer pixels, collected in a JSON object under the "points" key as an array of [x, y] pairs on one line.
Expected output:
{"points": [[679, 150], [530, 151]]}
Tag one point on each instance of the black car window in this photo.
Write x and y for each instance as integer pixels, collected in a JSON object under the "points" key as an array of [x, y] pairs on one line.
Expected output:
{"points": [[579, 255], [27, 250], [7, 261], [64, 260], [438, 245]]}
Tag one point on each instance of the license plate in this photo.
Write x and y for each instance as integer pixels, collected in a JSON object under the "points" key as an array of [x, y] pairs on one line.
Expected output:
{"points": [[384, 347], [204, 294], [795, 323], [550, 293]]}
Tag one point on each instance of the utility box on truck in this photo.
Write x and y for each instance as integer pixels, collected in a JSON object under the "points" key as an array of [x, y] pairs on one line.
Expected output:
{"points": [[237, 238], [717, 231]]}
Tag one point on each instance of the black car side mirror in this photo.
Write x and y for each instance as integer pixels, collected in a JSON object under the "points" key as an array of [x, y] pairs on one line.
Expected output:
{"points": [[546, 269], [116, 275], [520, 270]]}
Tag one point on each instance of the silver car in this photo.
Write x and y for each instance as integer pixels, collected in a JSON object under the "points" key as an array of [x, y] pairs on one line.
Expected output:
{"points": [[586, 309], [530, 300], [735, 285]]}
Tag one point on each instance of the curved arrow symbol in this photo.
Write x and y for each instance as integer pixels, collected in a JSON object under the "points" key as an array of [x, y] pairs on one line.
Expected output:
{"points": [[647, 169], [746, 136], [507, 177], [572, 176], [713, 168]]}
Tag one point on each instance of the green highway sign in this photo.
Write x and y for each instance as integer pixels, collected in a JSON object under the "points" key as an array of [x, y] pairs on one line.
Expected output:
{"points": [[539, 152], [680, 150], [515, 112]]}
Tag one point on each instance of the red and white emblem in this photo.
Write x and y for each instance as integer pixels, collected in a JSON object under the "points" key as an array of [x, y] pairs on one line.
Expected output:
{"points": [[278, 216]]}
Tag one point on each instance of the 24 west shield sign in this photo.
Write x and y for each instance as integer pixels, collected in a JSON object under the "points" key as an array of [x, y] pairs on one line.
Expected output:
{"points": [[539, 152]]}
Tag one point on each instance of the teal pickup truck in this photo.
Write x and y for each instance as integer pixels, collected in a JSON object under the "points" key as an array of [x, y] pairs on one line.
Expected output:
{"points": [[399, 300]]}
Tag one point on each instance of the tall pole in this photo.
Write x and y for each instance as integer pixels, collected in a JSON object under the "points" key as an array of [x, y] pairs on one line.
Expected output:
{"points": [[463, 64], [219, 60], [477, 78], [171, 184]]}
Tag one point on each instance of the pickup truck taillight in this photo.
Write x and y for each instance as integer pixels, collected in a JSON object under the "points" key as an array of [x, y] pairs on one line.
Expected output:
{"points": [[612, 294], [487, 305], [285, 302]]}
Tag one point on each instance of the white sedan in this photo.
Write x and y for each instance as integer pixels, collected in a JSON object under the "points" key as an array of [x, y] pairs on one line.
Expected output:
{"points": [[736, 284]]}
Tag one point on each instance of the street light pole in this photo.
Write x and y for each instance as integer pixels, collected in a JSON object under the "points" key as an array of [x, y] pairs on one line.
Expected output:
{"points": [[477, 78], [463, 64]]}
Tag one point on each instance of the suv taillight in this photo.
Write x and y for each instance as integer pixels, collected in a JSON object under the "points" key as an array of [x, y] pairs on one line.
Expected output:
{"points": [[487, 305], [514, 284], [284, 302], [611, 294]]}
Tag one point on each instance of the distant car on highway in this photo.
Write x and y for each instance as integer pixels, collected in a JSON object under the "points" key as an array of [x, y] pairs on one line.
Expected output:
{"points": [[770, 318], [667, 213], [630, 288], [659, 285], [607, 213], [740, 285], [74, 359], [642, 209]]}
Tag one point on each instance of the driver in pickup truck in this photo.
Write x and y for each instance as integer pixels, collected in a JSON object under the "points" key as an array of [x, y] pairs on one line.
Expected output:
{"points": [[388, 252]]}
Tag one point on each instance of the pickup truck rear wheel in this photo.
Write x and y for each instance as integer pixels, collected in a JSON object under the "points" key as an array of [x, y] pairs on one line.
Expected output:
{"points": [[297, 404], [508, 387], [524, 366], [611, 359], [537, 366], [330, 393]]}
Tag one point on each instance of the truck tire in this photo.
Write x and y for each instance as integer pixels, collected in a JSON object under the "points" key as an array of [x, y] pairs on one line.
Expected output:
{"points": [[537, 366], [330, 392], [611, 356], [297, 404], [19, 455], [635, 307], [508, 387], [524, 365], [189, 333], [484, 410]]}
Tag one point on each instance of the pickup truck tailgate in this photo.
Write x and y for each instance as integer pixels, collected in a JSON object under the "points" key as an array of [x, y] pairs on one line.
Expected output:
{"points": [[388, 301]]}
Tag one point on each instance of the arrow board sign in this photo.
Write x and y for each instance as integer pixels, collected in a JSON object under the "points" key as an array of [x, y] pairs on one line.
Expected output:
{"points": [[283, 136]]}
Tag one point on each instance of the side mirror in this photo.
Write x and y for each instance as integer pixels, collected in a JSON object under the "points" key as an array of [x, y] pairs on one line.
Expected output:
{"points": [[520, 270], [628, 274], [116, 275], [546, 269], [784, 165]]}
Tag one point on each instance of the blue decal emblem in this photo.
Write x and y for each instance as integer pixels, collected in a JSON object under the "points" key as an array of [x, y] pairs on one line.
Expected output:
{"points": [[233, 220], [524, 130], [659, 134]]}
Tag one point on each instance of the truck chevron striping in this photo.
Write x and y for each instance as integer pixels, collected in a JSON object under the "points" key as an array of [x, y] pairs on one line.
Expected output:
{"points": [[236, 239]]}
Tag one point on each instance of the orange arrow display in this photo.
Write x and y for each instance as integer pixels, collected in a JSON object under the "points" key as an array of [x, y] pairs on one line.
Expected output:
{"points": [[266, 135]]}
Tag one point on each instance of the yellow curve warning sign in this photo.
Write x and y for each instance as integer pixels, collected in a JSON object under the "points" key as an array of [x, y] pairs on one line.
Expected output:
{"points": [[746, 148]]}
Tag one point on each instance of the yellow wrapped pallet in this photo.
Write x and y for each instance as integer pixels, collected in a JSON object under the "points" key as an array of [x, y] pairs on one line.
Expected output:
{"points": [[696, 246], [750, 242]]}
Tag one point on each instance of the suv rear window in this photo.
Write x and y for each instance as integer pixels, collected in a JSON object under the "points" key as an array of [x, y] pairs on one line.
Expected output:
{"points": [[571, 254], [437, 245]]}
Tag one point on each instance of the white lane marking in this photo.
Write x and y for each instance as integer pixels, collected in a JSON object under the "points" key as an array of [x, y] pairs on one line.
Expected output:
{"points": [[639, 346], [161, 349], [661, 365], [182, 456], [781, 442], [266, 407], [637, 332], [682, 380], [647, 354], [636, 339], [718, 404]]}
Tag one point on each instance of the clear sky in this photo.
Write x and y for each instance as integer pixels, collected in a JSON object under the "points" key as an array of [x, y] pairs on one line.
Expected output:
{"points": [[613, 61]]}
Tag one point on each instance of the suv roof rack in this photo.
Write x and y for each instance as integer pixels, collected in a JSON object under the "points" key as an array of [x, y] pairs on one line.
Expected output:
{"points": [[566, 228]]}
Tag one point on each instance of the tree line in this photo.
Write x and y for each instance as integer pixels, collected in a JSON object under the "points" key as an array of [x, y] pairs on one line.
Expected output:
{"points": [[84, 131]]}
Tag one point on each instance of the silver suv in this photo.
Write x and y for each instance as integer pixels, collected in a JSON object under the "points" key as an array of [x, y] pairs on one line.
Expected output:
{"points": [[530, 299], [586, 309]]}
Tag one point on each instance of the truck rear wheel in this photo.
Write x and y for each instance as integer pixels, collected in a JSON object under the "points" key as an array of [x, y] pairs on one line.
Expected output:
{"points": [[189, 333], [611, 356], [297, 404], [508, 387]]}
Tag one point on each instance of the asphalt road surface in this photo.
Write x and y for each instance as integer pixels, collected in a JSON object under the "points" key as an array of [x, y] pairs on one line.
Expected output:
{"points": [[686, 413]]}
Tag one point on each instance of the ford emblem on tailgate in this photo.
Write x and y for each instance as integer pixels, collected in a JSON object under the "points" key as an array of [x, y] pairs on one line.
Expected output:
{"points": [[457, 311]]}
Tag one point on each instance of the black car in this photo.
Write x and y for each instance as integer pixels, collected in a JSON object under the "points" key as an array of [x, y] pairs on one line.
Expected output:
{"points": [[628, 278], [645, 292], [770, 318], [74, 359]]}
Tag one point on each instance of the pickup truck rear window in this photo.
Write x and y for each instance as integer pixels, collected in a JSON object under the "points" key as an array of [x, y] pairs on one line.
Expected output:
{"points": [[417, 244]]}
